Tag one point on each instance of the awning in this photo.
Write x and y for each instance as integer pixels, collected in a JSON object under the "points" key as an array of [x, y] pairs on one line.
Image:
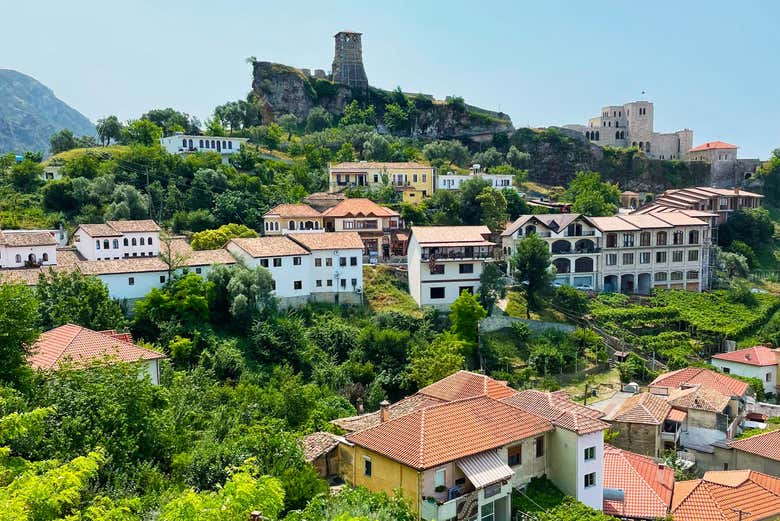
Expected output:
{"points": [[484, 469], [676, 416]]}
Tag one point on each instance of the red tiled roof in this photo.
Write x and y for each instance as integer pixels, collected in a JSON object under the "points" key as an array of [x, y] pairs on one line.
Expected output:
{"points": [[364, 165], [450, 431], [328, 240], [705, 377], [136, 226], [364, 421], [756, 355], [21, 238], [643, 408], [676, 415], [766, 445], [647, 486], [560, 409], [292, 210], [698, 398], [258, 247], [710, 145], [728, 495], [437, 235], [359, 207], [318, 443], [79, 344], [465, 384]]}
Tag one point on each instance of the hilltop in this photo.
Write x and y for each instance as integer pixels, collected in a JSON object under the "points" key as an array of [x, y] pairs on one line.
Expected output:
{"points": [[30, 113]]}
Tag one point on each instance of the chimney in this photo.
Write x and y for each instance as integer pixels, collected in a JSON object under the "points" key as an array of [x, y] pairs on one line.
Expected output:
{"points": [[747, 356], [662, 479], [359, 405], [384, 411]]}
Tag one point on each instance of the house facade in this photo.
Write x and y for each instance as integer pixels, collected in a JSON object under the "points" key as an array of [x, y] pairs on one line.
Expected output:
{"points": [[116, 240], [292, 218], [719, 201], [646, 424], [378, 226], [753, 362], [713, 151], [27, 248], [453, 181], [180, 143], [444, 261], [414, 180]]}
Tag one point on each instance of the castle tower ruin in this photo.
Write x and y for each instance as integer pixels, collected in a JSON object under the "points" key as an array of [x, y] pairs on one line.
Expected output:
{"points": [[348, 60]]}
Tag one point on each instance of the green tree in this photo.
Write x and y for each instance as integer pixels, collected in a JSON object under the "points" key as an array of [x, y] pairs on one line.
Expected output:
{"points": [[465, 314], [58, 196], [108, 128], [492, 205], [432, 361], [273, 136], [354, 115], [215, 239], [470, 207], [170, 120], [449, 152], [289, 123], [346, 153], [240, 293], [141, 132], [19, 319], [752, 226], [214, 127], [571, 300], [413, 214], [355, 504], [26, 176], [591, 196], [531, 265], [318, 119], [491, 286], [395, 118], [515, 205], [62, 140], [377, 148], [183, 301], [489, 158], [769, 173], [70, 297], [519, 160]]}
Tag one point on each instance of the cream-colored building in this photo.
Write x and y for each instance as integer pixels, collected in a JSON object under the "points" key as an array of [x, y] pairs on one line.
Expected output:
{"points": [[292, 218], [713, 151], [414, 180]]}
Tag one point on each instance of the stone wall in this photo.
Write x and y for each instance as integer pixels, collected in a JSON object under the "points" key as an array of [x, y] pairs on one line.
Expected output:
{"points": [[638, 437], [728, 174], [496, 322]]}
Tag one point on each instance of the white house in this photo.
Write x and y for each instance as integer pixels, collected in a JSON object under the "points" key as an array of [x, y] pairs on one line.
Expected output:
{"points": [[452, 181], [116, 240], [444, 261], [180, 143], [753, 362], [27, 248]]}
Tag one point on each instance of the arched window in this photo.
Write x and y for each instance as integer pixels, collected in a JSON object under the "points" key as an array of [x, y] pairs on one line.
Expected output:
{"points": [[224, 144], [133, 242], [184, 143], [142, 241], [583, 265], [45, 257], [230, 145], [115, 244], [693, 237], [647, 146], [641, 146], [597, 136], [291, 225], [276, 226], [201, 143], [149, 241], [124, 241], [18, 259], [97, 245], [219, 146], [660, 239], [190, 140], [633, 144], [213, 144], [617, 135]]}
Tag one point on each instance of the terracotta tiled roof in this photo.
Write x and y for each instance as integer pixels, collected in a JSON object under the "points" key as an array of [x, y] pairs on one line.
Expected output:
{"points": [[129, 265], [646, 485], [766, 445], [710, 145], [318, 443], [26, 276], [560, 409], [728, 495], [698, 398], [137, 226], [676, 415], [450, 431], [465, 384], [554, 221], [363, 165], [359, 207], [642, 408], [26, 238], [99, 230], [79, 344], [364, 421], [756, 355], [433, 235], [181, 250], [292, 210], [704, 377], [328, 240], [269, 246]]}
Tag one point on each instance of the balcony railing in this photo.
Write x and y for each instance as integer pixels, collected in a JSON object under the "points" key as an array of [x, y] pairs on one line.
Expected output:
{"points": [[457, 255]]}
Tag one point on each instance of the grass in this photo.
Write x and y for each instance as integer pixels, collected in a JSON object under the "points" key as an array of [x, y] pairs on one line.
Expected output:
{"points": [[516, 307], [606, 383], [72, 154], [385, 293]]}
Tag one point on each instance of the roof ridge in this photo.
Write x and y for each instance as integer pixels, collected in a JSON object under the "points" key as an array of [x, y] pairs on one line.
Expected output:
{"points": [[69, 343], [635, 471], [422, 439]]}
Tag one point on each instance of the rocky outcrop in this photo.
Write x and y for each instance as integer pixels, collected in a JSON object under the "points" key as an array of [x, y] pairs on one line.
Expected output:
{"points": [[30, 113], [280, 89]]}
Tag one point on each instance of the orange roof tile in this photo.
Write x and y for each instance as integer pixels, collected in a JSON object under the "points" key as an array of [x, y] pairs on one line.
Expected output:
{"points": [[451, 235], [328, 240], [642, 408], [698, 398], [269, 246], [560, 409], [79, 344], [364, 421], [428, 437], [728, 495], [292, 210], [465, 384], [318, 443], [710, 145], [98, 230], [136, 226], [359, 207], [766, 445], [647, 486], [756, 355], [705, 377], [21, 238], [364, 165]]}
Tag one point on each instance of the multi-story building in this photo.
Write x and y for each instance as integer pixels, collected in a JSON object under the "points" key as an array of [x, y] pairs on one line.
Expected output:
{"points": [[452, 181], [292, 218], [627, 253], [753, 362], [118, 240], [180, 143], [722, 202], [444, 261], [379, 227], [713, 151], [413, 180], [27, 248]]}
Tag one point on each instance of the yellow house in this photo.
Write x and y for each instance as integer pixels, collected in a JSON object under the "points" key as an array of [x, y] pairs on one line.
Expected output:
{"points": [[414, 180]]}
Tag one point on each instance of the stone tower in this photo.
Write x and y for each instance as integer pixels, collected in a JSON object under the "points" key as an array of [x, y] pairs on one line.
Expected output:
{"points": [[348, 60]]}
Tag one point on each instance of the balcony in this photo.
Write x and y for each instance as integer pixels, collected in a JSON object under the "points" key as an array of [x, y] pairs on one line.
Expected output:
{"points": [[457, 254], [456, 507]]}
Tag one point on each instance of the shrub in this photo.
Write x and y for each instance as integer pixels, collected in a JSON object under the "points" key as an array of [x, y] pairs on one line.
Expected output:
{"points": [[571, 300]]}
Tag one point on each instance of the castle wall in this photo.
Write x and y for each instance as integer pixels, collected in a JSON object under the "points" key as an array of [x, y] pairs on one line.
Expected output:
{"points": [[732, 173], [639, 115], [665, 146]]}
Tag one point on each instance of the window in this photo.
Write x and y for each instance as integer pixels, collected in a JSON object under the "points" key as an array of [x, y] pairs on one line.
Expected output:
{"points": [[590, 480], [133, 242], [376, 178], [660, 239], [343, 283], [768, 377], [354, 283], [693, 255], [277, 262], [437, 293], [149, 241], [726, 370], [353, 261], [611, 259], [297, 284], [342, 261], [317, 262], [142, 241], [414, 178], [328, 261], [440, 478], [539, 447], [677, 256], [201, 143], [296, 261], [692, 275], [131, 281], [628, 240], [162, 279], [465, 268], [264, 263], [437, 269], [678, 237], [628, 258], [125, 242], [644, 257], [18, 259], [676, 275], [115, 244], [660, 257], [660, 276], [590, 453], [198, 270], [230, 145], [97, 245], [45, 257], [367, 467], [644, 239], [273, 285], [425, 178], [611, 240], [514, 456], [693, 237], [330, 283]]}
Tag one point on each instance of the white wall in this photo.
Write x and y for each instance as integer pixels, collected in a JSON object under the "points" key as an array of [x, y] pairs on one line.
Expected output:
{"points": [[750, 371], [413, 266], [88, 245], [8, 255], [119, 285], [175, 144], [152, 368], [591, 496]]}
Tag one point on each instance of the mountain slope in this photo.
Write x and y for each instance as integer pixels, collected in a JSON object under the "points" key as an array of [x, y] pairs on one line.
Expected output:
{"points": [[30, 113]]}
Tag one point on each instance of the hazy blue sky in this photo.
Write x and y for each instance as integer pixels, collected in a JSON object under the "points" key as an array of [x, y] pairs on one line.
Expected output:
{"points": [[711, 66]]}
